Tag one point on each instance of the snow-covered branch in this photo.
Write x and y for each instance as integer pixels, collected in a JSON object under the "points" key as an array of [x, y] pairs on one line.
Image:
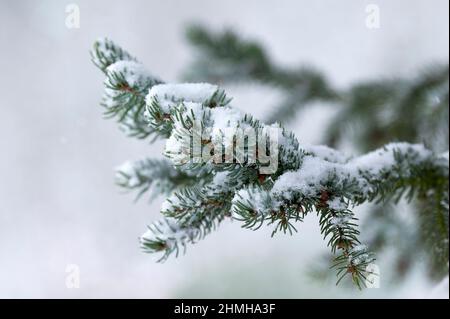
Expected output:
{"points": [[224, 163]]}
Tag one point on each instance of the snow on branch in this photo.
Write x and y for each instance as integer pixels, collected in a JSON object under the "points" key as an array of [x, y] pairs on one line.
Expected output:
{"points": [[222, 163]]}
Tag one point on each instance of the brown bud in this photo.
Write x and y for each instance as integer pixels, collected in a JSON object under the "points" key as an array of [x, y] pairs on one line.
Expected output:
{"points": [[261, 178]]}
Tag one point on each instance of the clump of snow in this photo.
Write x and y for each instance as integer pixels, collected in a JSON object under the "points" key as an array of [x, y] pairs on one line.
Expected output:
{"points": [[224, 125], [326, 153], [316, 172], [361, 259], [220, 178], [192, 92], [135, 73], [337, 204], [359, 255], [358, 248], [218, 184], [311, 177], [224, 117], [168, 95], [170, 202], [258, 199], [169, 231], [384, 158], [339, 221]]}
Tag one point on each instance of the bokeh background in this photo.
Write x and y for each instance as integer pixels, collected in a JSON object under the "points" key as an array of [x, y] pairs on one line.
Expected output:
{"points": [[58, 202]]}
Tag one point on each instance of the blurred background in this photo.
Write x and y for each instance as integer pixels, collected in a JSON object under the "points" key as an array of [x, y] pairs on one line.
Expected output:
{"points": [[59, 205]]}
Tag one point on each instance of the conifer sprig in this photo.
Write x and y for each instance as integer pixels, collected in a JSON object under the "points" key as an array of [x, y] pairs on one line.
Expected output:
{"points": [[305, 179]]}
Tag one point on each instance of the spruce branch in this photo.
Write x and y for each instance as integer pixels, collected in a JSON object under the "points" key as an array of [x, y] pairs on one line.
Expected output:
{"points": [[205, 189]]}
